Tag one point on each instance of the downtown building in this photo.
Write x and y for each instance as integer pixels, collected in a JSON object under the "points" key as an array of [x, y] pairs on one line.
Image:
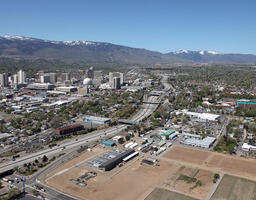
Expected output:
{"points": [[116, 80], [3, 80]]}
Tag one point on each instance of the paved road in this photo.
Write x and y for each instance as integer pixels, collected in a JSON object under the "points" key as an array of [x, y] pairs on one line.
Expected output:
{"points": [[50, 193]]}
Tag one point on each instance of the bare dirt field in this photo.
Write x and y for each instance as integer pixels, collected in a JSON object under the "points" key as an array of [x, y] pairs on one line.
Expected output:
{"points": [[185, 154], [213, 161], [234, 188], [143, 179], [140, 179], [174, 183], [163, 194], [72, 163]]}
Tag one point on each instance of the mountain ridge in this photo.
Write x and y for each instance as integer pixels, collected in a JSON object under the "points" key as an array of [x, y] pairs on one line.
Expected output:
{"points": [[103, 52]]}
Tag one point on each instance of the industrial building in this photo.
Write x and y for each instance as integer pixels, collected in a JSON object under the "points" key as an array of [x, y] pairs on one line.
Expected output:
{"points": [[99, 120], [108, 143], [69, 129], [204, 143], [169, 134], [203, 117], [247, 147], [131, 156], [110, 159]]}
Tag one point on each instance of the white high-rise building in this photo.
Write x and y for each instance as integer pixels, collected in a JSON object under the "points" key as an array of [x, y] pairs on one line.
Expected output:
{"points": [[121, 75], [3, 80], [45, 78], [15, 79], [21, 77], [116, 83], [53, 78], [113, 75]]}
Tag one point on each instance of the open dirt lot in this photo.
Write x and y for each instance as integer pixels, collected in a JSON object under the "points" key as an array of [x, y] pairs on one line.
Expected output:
{"points": [[140, 179], [162, 194], [234, 188], [72, 163], [185, 154], [205, 177], [213, 161], [136, 181]]}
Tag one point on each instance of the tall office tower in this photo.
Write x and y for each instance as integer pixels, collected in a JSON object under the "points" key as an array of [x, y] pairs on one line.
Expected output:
{"points": [[65, 77], [110, 75], [116, 83], [45, 78], [15, 79], [4, 80], [53, 78], [121, 75], [90, 73], [21, 77]]}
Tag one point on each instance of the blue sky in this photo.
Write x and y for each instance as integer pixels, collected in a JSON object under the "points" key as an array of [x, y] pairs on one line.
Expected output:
{"points": [[227, 26]]}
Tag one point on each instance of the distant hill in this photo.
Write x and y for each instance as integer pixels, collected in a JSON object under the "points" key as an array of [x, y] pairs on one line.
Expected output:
{"points": [[79, 51], [213, 57], [100, 52]]}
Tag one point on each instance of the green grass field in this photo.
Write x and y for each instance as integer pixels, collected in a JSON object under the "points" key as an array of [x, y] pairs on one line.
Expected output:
{"points": [[234, 188], [162, 194]]}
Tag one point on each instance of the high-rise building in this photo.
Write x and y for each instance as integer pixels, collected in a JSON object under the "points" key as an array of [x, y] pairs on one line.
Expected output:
{"points": [[113, 75], [90, 73], [116, 83], [3, 80], [53, 77], [121, 75], [21, 77], [15, 79], [45, 78], [65, 77]]}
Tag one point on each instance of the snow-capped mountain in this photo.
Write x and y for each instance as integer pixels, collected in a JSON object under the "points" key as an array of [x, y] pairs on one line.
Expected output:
{"points": [[79, 51], [71, 43], [100, 52], [202, 52], [213, 56]]}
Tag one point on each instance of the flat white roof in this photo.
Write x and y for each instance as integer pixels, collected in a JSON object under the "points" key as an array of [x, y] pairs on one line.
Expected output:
{"points": [[130, 156], [205, 143], [204, 116], [248, 146], [97, 118]]}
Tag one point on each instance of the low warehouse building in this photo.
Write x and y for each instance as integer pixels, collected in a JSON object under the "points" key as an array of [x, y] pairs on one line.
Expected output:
{"points": [[247, 147], [110, 164], [167, 134], [109, 159], [108, 143], [126, 159], [99, 120], [204, 143]]}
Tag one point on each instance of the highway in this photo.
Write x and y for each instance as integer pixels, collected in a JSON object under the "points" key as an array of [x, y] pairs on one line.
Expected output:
{"points": [[73, 144]]}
